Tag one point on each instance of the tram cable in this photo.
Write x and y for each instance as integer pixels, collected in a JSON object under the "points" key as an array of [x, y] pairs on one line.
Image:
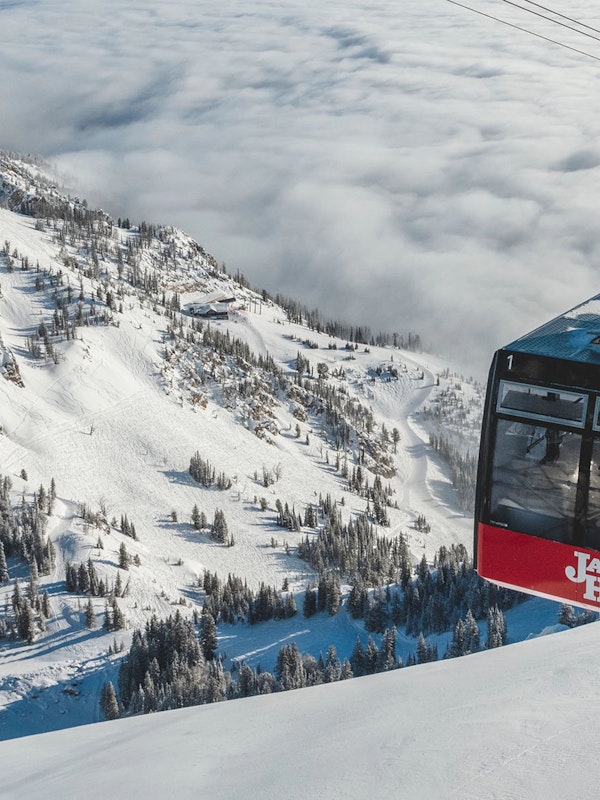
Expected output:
{"points": [[563, 16], [526, 30], [554, 21]]}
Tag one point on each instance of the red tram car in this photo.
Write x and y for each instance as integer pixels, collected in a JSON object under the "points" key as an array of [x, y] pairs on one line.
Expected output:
{"points": [[537, 511]]}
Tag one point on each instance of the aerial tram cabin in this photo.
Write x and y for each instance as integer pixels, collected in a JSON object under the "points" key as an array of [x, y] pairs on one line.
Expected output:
{"points": [[537, 510]]}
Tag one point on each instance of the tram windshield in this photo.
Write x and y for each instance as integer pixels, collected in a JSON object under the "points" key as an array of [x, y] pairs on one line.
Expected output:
{"points": [[537, 459], [534, 479]]}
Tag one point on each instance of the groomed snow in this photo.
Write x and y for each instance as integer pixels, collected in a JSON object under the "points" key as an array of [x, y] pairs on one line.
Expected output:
{"points": [[518, 723]]}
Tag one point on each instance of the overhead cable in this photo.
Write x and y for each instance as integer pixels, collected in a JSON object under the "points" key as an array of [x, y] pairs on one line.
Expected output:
{"points": [[554, 21], [524, 30], [558, 14]]}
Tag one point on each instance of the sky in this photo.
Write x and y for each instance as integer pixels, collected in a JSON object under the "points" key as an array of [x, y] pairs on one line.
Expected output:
{"points": [[409, 166]]}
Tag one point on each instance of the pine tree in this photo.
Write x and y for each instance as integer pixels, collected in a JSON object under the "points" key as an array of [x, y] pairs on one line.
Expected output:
{"points": [[496, 628], [196, 517], [108, 618], [17, 598], [208, 634], [25, 623], [358, 659], [46, 610], [333, 666], [309, 606], [90, 616], [32, 587], [219, 532], [108, 701], [118, 618], [371, 657], [123, 557], [246, 681], [4, 576]]}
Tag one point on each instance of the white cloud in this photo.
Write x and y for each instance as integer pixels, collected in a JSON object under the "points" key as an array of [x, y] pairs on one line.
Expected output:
{"points": [[409, 166]]}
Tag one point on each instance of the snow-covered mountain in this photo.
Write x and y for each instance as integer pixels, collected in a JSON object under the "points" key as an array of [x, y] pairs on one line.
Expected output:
{"points": [[127, 353]]}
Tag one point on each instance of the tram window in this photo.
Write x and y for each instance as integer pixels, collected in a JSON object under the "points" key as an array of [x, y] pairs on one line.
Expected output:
{"points": [[534, 479], [536, 402], [597, 415], [592, 528]]}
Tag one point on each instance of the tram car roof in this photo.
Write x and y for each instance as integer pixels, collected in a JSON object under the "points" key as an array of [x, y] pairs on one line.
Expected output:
{"points": [[573, 336]]}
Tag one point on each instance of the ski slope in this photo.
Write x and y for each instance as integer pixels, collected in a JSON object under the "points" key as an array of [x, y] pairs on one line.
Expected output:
{"points": [[516, 723]]}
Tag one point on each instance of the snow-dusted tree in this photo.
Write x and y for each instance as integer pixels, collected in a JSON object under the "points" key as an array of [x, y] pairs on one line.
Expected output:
{"points": [[108, 617], [246, 680], [123, 557], [17, 598], [108, 701], [289, 669], [358, 659], [358, 599], [310, 601], [196, 520], [333, 666], [496, 628], [216, 685], [371, 657], [208, 634], [118, 618], [90, 615], [4, 576], [26, 622], [219, 531], [387, 652], [46, 610]]}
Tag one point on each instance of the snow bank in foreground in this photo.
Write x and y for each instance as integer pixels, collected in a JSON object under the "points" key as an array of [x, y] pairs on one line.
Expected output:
{"points": [[515, 723]]}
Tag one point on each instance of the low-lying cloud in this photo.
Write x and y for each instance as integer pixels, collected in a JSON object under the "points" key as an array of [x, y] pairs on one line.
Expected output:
{"points": [[406, 166]]}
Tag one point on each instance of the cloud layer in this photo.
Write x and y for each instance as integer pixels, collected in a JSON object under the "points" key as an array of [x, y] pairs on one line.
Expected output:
{"points": [[408, 166]]}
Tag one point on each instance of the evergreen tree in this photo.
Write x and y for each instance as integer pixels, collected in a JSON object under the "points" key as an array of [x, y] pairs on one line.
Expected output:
{"points": [[4, 576], [220, 531], [246, 681], [17, 598], [25, 622], [333, 666], [46, 610], [358, 599], [309, 606], [387, 654], [289, 669], [371, 657], [118, 618], [358, 659], [496, 628], [123, 556], [208, 634], [108, 618], [108, 701], [90, 616], [32, 587], [196, 517]]}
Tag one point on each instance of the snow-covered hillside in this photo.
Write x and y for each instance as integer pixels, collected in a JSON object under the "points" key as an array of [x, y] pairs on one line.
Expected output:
{"points": [[109, 387], [516, 723]]}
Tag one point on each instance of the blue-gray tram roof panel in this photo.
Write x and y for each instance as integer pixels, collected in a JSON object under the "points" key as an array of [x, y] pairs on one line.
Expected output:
{"points": [[573, 336]]}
